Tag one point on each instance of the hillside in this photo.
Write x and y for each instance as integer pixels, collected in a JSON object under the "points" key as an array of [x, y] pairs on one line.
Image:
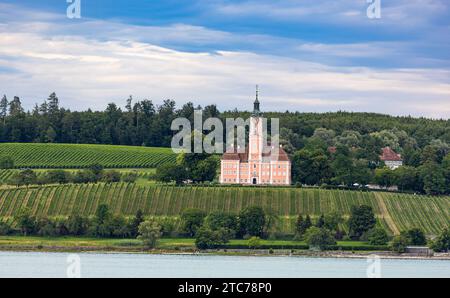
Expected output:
{"points": [[395, 211], [30, 155]]}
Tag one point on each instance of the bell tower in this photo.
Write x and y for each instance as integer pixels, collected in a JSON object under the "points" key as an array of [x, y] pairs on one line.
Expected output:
{"points": [[256, 132]]}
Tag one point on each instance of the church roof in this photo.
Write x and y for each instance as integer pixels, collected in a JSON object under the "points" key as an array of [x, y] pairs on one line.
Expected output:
{"points": [[268, 156]]}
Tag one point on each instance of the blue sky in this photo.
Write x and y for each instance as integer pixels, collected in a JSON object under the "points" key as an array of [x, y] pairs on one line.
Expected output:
{"points": [[307, 55]]}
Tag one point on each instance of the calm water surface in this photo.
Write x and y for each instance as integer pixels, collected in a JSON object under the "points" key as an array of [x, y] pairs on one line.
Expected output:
{"points": [[27, 264]]}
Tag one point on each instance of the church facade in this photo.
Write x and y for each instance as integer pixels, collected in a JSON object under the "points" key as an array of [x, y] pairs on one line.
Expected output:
{"points": [[260, 164]]}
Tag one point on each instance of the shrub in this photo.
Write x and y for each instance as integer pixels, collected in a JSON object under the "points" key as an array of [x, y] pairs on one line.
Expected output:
{"points": [[209, 239], [77, 225], [149, 233], [399, 243], [130, 177], [378, 236], [192, 220], [254, 242], [442, 242], [110, 176], [220, 220], [252, 221], [58, 176], [26, 222], [319, 238], [415, 236], [46, 228]]}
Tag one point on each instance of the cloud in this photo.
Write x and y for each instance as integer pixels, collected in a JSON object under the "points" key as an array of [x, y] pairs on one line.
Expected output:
{"points": [[91, 70]]}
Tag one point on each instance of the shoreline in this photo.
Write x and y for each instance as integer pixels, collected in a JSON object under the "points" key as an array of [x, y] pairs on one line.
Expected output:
{"points": [[220, 252]]}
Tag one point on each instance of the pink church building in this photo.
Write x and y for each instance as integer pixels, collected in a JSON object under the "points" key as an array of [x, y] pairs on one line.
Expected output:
{"points": [[258, 165]]}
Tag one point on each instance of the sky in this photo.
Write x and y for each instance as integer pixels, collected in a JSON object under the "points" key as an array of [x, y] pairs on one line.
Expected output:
{"points": [[305, 55]]}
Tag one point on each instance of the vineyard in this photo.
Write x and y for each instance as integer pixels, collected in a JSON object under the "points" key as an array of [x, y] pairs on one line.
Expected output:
{"points": [[396, 212], [82, 156]]}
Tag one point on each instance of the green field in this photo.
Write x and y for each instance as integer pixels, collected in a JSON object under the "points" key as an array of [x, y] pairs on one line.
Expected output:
{"points": [[396, 212], [81, 156]]}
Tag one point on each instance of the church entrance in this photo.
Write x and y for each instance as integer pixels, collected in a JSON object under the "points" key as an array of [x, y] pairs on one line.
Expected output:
{"points": [[254, 181]]}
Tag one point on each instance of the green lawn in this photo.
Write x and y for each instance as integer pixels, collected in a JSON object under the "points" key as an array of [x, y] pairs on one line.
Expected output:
{"points": [[165, 243]]}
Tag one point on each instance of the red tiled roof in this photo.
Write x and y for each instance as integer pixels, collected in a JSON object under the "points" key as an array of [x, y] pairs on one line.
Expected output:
{"points": [[243, 157], [390, 155], [332, 149]]}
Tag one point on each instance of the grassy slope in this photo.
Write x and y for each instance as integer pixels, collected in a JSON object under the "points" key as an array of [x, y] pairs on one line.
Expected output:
{"points": [[78, 156], [395, 211]]}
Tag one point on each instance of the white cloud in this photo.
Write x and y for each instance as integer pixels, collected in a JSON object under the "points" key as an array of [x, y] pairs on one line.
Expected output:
{"points": [[91, 70]]}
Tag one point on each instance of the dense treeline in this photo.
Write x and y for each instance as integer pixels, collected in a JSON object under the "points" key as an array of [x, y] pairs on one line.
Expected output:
{"points": [[144, 123]]}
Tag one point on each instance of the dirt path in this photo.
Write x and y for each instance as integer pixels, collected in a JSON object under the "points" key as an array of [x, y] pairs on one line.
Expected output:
{"points": [[385, 214]]}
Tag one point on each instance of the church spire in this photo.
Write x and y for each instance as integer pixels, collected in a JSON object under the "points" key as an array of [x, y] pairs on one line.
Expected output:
{"points": [[256, 110]]}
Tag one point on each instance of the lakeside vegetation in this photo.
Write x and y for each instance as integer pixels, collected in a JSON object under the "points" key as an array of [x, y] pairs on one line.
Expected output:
{"points": [[174, 244]]}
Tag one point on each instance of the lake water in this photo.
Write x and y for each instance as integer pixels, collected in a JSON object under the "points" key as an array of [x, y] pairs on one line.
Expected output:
{"points": [[31, 264]]}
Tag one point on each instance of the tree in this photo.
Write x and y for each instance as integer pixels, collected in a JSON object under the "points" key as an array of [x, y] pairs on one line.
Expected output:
{"points": [[415, 236], [84, 176], [319, 238], [442, 242], [399, 243], [111, 176], [378, 236], [135, 223], [25, 177], [204, 170], [407, 178], [325, 135], [130, 177], [332, 221], [58, 176], [362, 220], [149, 233], [433, 177], [302, 225], [310, 167], [252, 221], [221, 220], [77, 225], [25, 221], [209, 239], [384, 177], [97, 170], [321, 221], [4, 109], [171, 173], [192, 220]]}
